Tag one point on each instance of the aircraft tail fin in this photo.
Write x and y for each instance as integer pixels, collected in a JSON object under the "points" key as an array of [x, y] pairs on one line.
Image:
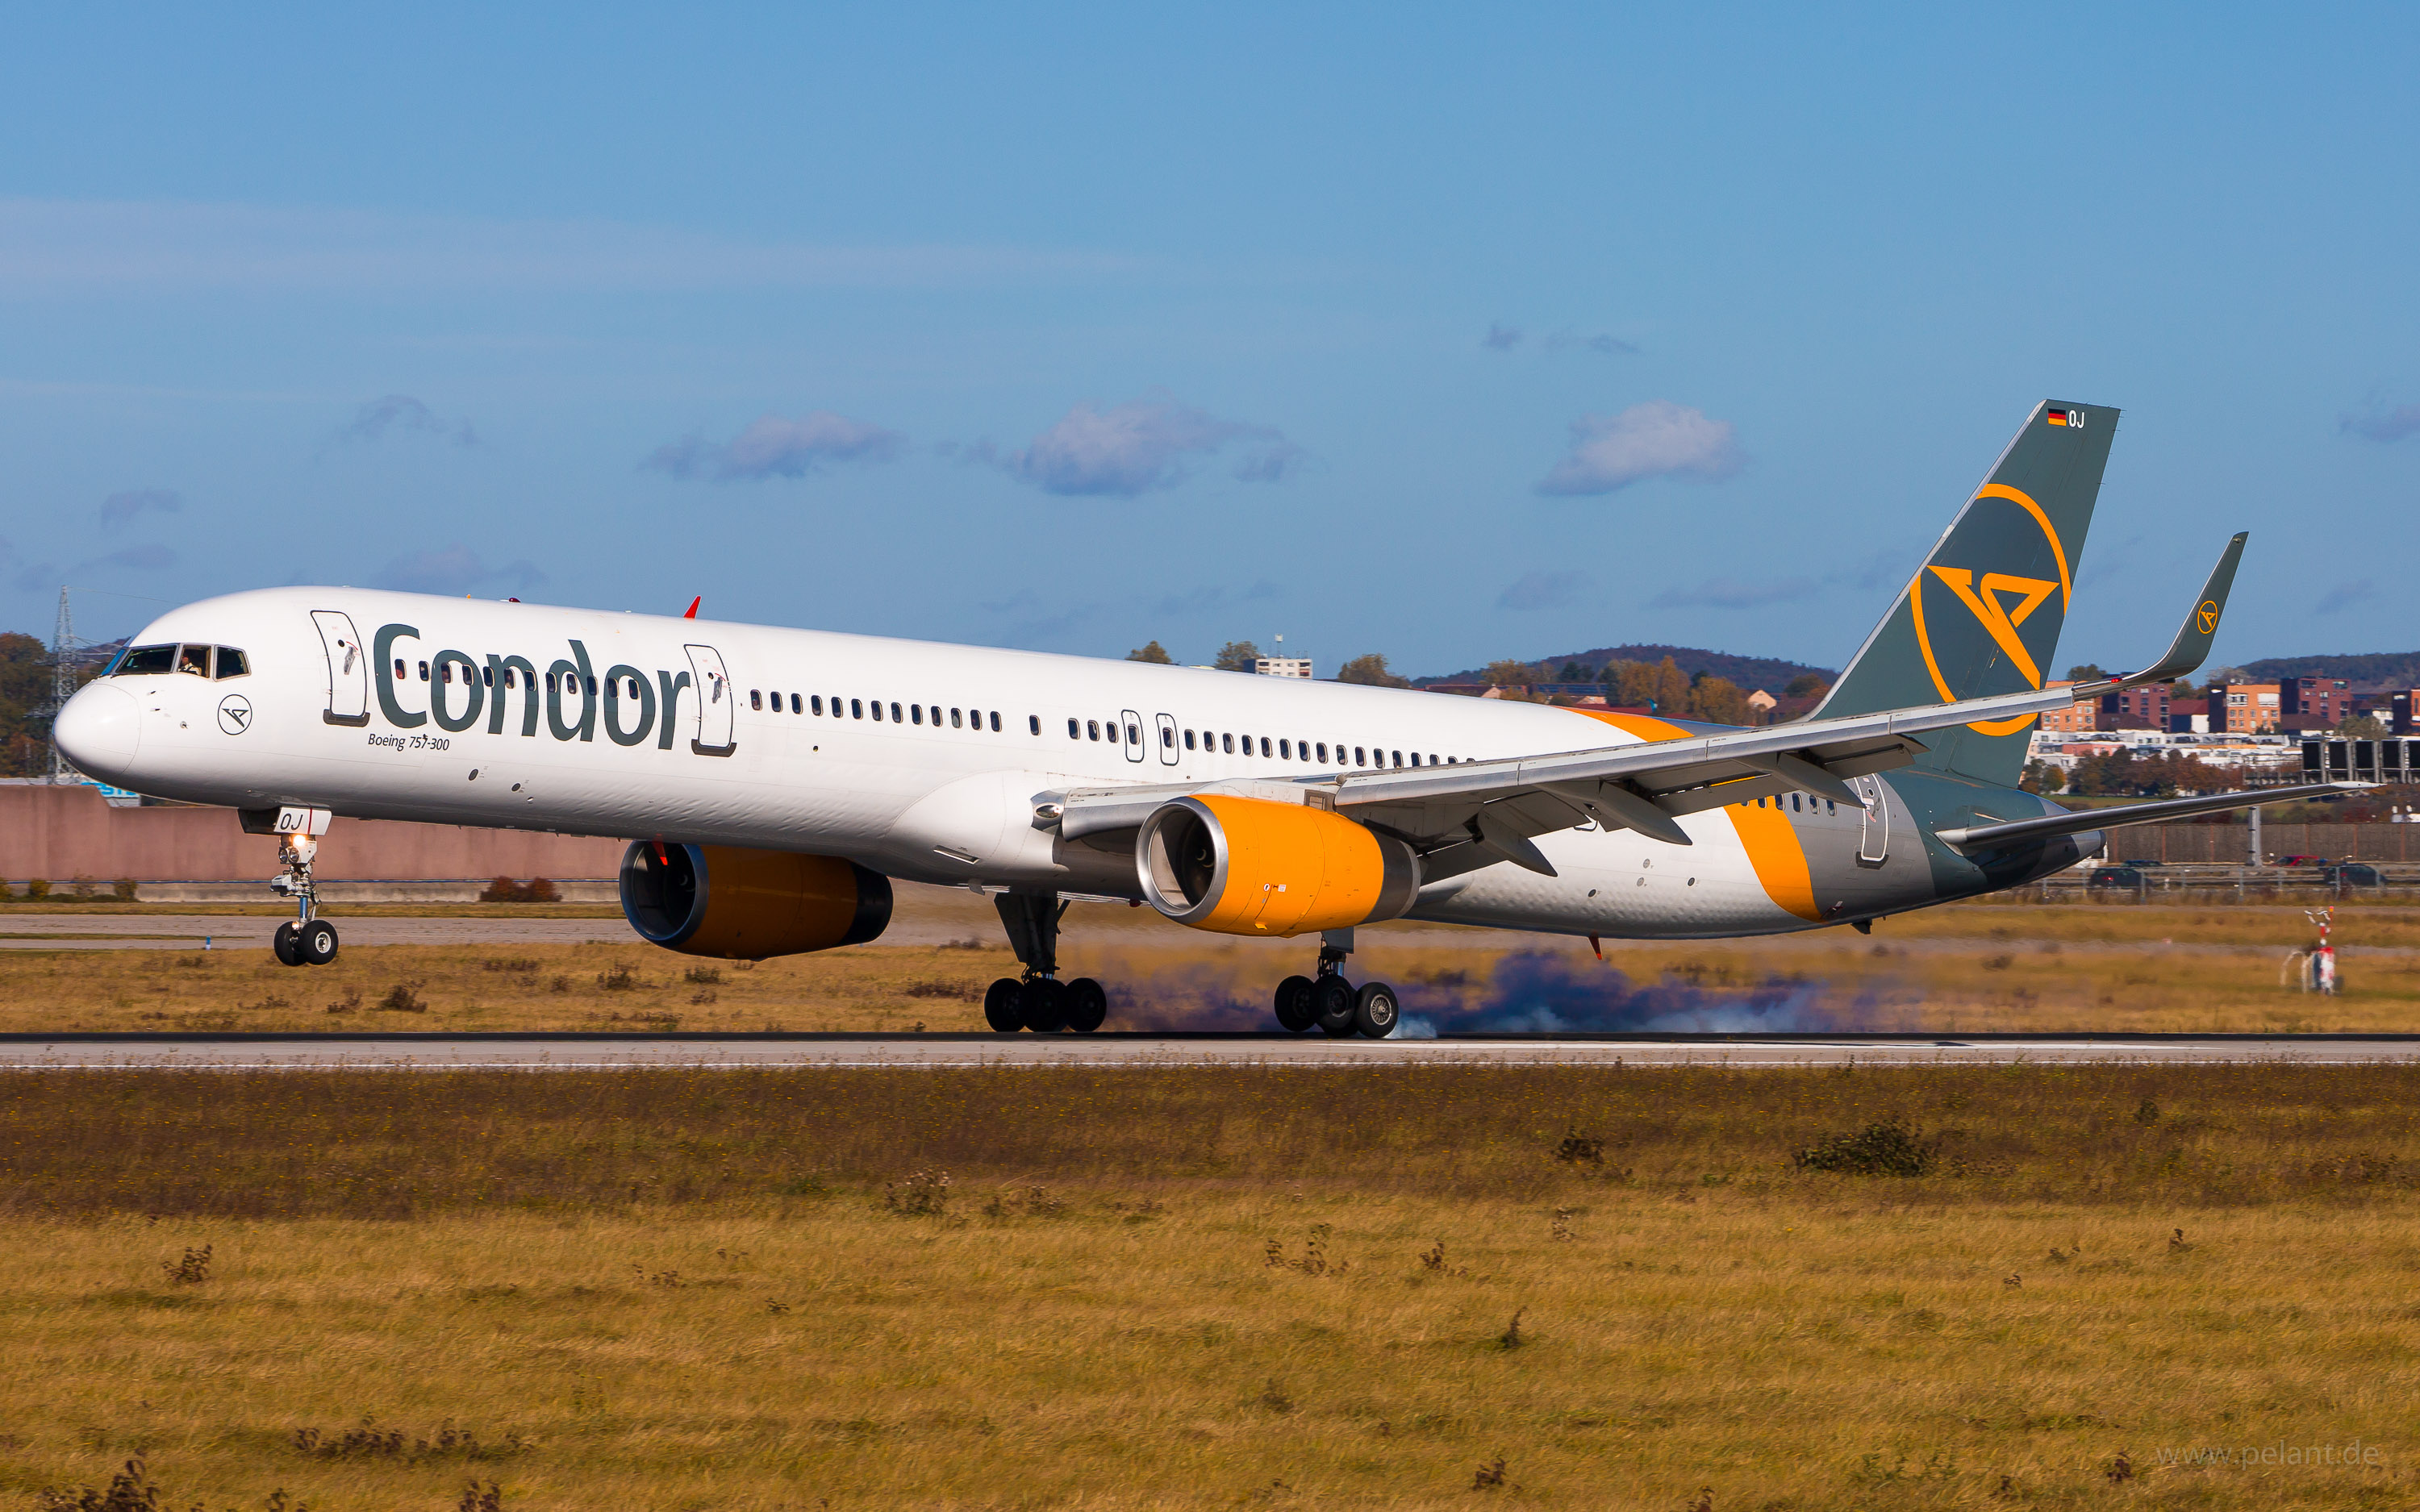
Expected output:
{"points": [[1982, 615]]}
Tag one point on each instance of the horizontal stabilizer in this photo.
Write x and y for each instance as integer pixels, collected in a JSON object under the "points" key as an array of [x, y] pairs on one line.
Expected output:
{"points": [[1988, 836]]}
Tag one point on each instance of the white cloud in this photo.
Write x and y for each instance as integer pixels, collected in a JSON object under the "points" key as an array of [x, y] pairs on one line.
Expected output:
{"points": [[50, 244], [455, 569], [1143, 445], [2344, 595], [1658, 439], [400, 413], [2384, 424], [152, 557], [1543, 589], [1729, 593], [119, 508], [774, 447]]}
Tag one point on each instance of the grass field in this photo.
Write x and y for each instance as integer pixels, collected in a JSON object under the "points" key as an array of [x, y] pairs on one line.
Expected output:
{"points": [[1399, 1286], [1965, 970]]}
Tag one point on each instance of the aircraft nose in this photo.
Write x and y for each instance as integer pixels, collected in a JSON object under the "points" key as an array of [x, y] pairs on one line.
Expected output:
{"points": [[97, 732]]}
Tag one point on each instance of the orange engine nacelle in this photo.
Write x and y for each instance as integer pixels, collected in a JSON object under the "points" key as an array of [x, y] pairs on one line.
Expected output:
{"points": [[745, 905], [1247, 866]]}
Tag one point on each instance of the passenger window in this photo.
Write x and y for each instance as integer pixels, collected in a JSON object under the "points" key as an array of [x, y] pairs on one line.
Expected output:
{"points": [[196, 661], [1229, 742], [231, 662], [1032, 723], [1793, 803], [1322, 750], [816, 704], [1166, 738], [1265, 744], [755, 699], [916, 712], [856, 709], [509, 677], [797, 705], [1189, 740], [1433, 761], [1830, 806], [424, 672], [1074, 731], [953, 720], [995, 723], [877, 711], [1285, 750], [163, 658], [1358, 758], [591, 687], [894, 714], [1398, 758], [398, 671], [777, 701], [1134, 735], [1092, 729]]}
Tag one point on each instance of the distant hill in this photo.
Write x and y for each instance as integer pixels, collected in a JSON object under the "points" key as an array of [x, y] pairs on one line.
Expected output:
{"points": [[2377, 669], [1751, 673]]}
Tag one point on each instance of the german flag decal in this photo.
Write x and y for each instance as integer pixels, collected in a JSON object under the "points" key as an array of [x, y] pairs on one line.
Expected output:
{"points": [[2065, 417]]}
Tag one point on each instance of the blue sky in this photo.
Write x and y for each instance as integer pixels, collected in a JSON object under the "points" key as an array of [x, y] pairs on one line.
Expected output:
{"points": [[1449, 334]]}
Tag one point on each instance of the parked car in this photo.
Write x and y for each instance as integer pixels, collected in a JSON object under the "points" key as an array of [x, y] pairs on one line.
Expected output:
{"points": [[2117, 876], [2302, 861], [2131, 861], [2352, 874]]}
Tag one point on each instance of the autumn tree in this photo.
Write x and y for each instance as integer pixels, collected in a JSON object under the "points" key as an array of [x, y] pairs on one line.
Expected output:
{"points": [[1633, 682], [1153, 653], [1719, 701], [1509, 675], [1370, 670], [1807, 686], [1237, 657], [1671, 690]]}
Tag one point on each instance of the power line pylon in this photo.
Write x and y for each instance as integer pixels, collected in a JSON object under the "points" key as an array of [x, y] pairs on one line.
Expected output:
{"points": [[63, 684]]}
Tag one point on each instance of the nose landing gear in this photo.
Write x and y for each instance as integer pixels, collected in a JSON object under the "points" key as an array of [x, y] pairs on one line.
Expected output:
{"points": [[1333, 1004], [1038, 1000], [308, 940]]}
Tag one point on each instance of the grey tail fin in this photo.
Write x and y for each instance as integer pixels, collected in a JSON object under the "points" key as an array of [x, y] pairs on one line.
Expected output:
{"points": [[1982, 615]]}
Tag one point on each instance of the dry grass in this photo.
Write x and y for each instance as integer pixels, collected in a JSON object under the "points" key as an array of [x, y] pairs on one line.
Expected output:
{"points": [[1958, 970], [1211, 1287]]}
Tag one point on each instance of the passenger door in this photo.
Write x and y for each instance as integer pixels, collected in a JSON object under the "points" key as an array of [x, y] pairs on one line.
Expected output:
{"points": [[717, 707], [1133, 724], [1168, 740], [1873, 837], [348, 667]]}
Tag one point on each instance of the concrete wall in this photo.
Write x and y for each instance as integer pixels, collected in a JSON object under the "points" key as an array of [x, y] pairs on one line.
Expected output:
{"points": [[59, 833]]}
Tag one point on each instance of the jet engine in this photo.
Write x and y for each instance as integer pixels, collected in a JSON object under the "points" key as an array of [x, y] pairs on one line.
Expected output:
{"points": [[1250, 865], [745, 904]]}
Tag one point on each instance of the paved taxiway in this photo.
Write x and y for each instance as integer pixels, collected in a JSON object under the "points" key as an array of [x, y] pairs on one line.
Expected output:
{"points": [[572, 1052]]}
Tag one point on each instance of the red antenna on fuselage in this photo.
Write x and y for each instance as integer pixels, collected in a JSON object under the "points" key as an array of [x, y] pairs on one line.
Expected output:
{"points": [[690, 612]]}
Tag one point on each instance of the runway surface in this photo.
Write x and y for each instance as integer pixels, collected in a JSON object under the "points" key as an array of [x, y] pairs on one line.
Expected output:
{"points": [[581, 1052]]}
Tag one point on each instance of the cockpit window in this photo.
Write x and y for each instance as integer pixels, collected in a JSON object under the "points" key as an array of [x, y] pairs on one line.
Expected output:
{"points": [[231, 662], [147, 659], [195, 659]]}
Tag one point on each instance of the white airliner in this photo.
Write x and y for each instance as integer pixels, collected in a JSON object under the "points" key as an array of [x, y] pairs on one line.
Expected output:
{"points": [[773, 781]]}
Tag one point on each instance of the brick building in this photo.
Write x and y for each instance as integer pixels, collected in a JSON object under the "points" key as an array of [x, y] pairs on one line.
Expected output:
{"points": [[2401, 705], [2244, 709], [2074, 719], [2313, 703], [2136, 708], [2188, 716]]}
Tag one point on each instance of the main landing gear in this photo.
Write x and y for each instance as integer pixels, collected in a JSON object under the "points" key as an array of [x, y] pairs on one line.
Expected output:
{"points": [[1038, 1000], [1335, 1005], [308, 940]]}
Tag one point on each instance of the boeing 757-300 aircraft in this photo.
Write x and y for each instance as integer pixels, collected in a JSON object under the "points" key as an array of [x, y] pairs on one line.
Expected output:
{"points": [[773, 781]]}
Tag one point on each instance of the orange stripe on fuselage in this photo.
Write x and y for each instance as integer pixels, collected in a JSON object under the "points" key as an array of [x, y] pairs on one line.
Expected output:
{"points": [[1765, 834]]}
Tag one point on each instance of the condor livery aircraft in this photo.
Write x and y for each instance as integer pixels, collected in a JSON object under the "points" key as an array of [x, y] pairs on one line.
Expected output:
{"points": [[773, 781]]}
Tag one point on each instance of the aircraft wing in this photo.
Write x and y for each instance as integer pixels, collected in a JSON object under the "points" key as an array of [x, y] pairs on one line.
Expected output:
{"points": [[1472, 814]]}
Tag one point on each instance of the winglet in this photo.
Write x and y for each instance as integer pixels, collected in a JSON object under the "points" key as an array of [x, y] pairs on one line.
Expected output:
{"points": [[2192, 645], [690, 612]]}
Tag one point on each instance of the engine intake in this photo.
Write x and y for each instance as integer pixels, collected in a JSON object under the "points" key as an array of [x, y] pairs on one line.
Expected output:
{"points": [[1247, 866], [747, 905]]}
